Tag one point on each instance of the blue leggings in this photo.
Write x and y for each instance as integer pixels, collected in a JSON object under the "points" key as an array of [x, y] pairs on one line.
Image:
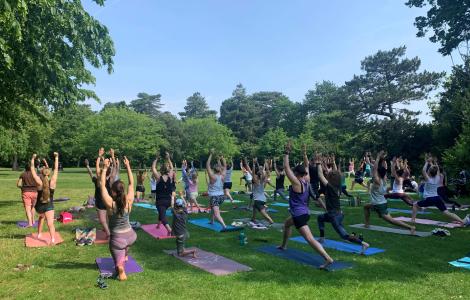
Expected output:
{"points": [[336, 220]]}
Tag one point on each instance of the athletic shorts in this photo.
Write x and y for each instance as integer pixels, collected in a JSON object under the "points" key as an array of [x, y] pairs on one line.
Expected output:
{"points": [[140, 188], [248, 182], [301, 220], [358, 180], [381, 209], [216, 200], [193, 195], [29, 198], [42, 208], [227, 185], [259, 205], [433, 201]]}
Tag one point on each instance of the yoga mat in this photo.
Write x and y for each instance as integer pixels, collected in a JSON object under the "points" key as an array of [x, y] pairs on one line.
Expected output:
{"points": [[32, 240], [160, 233], [151, 206], [430, 222], [316, 212], [234, 201], [62, 199], [203, 210], [463, 262], [391, 230], [210, 262], [342, 246], [101, 238], [245, 207], [214, 227], [280, 204], [106, 266], [302, 257], [408, 211], [24, 224]]}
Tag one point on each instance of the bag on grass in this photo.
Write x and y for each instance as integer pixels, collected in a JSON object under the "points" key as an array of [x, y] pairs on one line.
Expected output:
{"points": [[65, 217]]}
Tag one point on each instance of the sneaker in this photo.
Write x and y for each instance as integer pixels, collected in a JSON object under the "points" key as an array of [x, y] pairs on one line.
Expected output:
{"points": [[88, 242], [81, 242]]}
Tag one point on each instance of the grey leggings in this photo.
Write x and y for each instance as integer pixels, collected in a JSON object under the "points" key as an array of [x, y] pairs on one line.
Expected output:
{"points": [[119, 244]]}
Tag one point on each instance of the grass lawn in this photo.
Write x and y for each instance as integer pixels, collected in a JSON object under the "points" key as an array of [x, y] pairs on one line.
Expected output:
{"points": [[411, 267]]}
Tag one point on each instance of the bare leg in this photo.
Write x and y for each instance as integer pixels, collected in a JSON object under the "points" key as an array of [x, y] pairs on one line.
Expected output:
{"points": [[415, 211], [308, 236], [50, 224], [103, 218], [453, 216], [40, 224], [216, 214], [287, 232], [168, 229], [353, 183], [367, 209], [138, 194], [266, 216], [227, 194], [391, 220], [253, 215], [29, 215]]}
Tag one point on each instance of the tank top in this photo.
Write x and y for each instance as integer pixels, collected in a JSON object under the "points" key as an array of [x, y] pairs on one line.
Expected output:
{"points": [[216, 188], [430, 187], [248, 176], [280, 182], [118, 223], [164, 189], [228, 175], [351, 167], [377, 192], [298, 202], [258, 192], [397, 188]]}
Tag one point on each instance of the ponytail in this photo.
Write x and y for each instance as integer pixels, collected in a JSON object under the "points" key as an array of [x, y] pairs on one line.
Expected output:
{"points": [[120, 198], [46, 191]]}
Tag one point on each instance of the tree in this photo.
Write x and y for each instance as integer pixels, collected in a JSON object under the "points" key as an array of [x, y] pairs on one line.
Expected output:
{"points": [[456, 157], [119, 104], [448, 19], [147, 104], [389, 80], [174, 134], [136, 135], [272, 144], [204, 134], [197, 108], [44, 49]]}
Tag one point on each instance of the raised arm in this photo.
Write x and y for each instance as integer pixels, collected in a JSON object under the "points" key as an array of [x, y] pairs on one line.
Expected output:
{"points": [[321, 176], [130, 178], [87, 165], [224, 166], [108, 201], [335, 167], [53, 181], [375, 173], [44, 161], [36, 178], [425, 167], [276, 169], [296, 185], [210, 173], [154, 169], [304, 151], [168, 159]]}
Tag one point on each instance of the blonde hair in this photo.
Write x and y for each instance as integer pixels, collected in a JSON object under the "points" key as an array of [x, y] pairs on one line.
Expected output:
{"points": [[46, 191]]}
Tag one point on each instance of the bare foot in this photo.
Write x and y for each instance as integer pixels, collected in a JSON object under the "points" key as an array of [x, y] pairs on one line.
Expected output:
{"points": [[413, 230], [169, 232], [326, 264], [126, 258], [121, 273], [194, 254], [364, 248]]}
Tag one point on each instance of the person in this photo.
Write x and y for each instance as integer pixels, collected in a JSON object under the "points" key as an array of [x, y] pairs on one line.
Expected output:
{"points": [[165, 190], [334, 215], [193, 183], [140, 188], [314, 186], [119, 206], [444, 192], [45, 197], [367, 165], [432, 178], [378, 189], [216, 188], [29, 193], [259, 180], [350, 171], [359, 177], [180, 216], [228, 182], [153, 187], [280, 178], [397, 188], [99, 204], [247, 177], [185, 173], [298, 205]]}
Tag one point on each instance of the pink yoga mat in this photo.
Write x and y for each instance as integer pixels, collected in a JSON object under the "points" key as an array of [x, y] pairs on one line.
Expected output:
{"points": [[32, 240], [212, 263], [429, 222], [160, 233]]}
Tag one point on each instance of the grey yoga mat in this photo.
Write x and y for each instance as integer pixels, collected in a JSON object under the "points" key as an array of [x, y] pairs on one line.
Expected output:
{"points": [[391, 230]]}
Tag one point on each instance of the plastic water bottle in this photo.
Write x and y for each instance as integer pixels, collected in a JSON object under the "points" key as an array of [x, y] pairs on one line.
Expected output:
{"points": [[242, 238]]}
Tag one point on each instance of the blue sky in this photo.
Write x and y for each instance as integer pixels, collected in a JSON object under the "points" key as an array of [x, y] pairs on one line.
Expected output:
{"points": [[177, 47]]}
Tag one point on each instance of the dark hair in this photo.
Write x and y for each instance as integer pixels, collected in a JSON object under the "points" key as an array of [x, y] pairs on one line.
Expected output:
{"points": [[120, 197], [299, 170], [27, 167], [229, 165], [400, 172], [433, 171], [334, 178], [382, 171]]}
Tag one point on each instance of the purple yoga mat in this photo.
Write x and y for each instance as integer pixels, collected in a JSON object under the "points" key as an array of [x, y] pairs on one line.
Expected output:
{"points": [[430, 222], [210, 262], [106, 265], [24, 224]]}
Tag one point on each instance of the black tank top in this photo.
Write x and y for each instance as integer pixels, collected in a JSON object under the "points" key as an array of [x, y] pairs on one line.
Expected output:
{"points": [[164, 189], [280, 181]]}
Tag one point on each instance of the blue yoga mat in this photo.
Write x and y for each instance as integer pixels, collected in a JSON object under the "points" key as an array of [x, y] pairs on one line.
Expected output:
{"points": [[150, 206], [304, 257], [272, 210], [464, 262], [408, 211], [280, 204], [342, 246], [214, 227]]}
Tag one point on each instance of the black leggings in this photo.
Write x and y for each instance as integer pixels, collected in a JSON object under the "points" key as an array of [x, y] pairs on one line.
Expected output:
{"points": [[345, 192], [445, 193], [336, 219], [162, 206]]}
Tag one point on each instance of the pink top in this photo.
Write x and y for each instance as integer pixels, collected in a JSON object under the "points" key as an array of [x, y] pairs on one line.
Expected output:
{"points": [[192, 186], [351, 167]]}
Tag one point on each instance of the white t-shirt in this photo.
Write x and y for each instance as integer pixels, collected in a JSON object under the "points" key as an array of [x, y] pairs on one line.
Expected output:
{"points": [[153, 184], [430, 187]]}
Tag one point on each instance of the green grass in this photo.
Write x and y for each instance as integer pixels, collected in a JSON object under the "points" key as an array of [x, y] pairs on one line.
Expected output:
{"points": [[411, 268]]}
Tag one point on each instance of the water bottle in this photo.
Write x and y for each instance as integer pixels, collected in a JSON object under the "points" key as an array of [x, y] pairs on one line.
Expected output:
{"points": [[242, 238]]}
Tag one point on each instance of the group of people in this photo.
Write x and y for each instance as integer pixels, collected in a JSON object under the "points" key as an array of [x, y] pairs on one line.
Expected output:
{"points": [[317, 178]]}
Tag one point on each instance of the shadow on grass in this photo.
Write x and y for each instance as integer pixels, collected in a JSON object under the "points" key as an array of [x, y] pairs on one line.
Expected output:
{"points": [[5, 203], [13, 236], [73, 265]]}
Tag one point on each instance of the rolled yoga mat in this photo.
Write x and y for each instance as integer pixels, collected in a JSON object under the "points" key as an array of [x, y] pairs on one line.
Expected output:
{"points": [[159, 234], [305, 258], [210, 262], [342, 246], [106, 266], [214, 227], [391, 230], [429, 222]]}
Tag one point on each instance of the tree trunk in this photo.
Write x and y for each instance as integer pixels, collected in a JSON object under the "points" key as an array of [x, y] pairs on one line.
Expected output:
{"points": [[14, 163]]}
